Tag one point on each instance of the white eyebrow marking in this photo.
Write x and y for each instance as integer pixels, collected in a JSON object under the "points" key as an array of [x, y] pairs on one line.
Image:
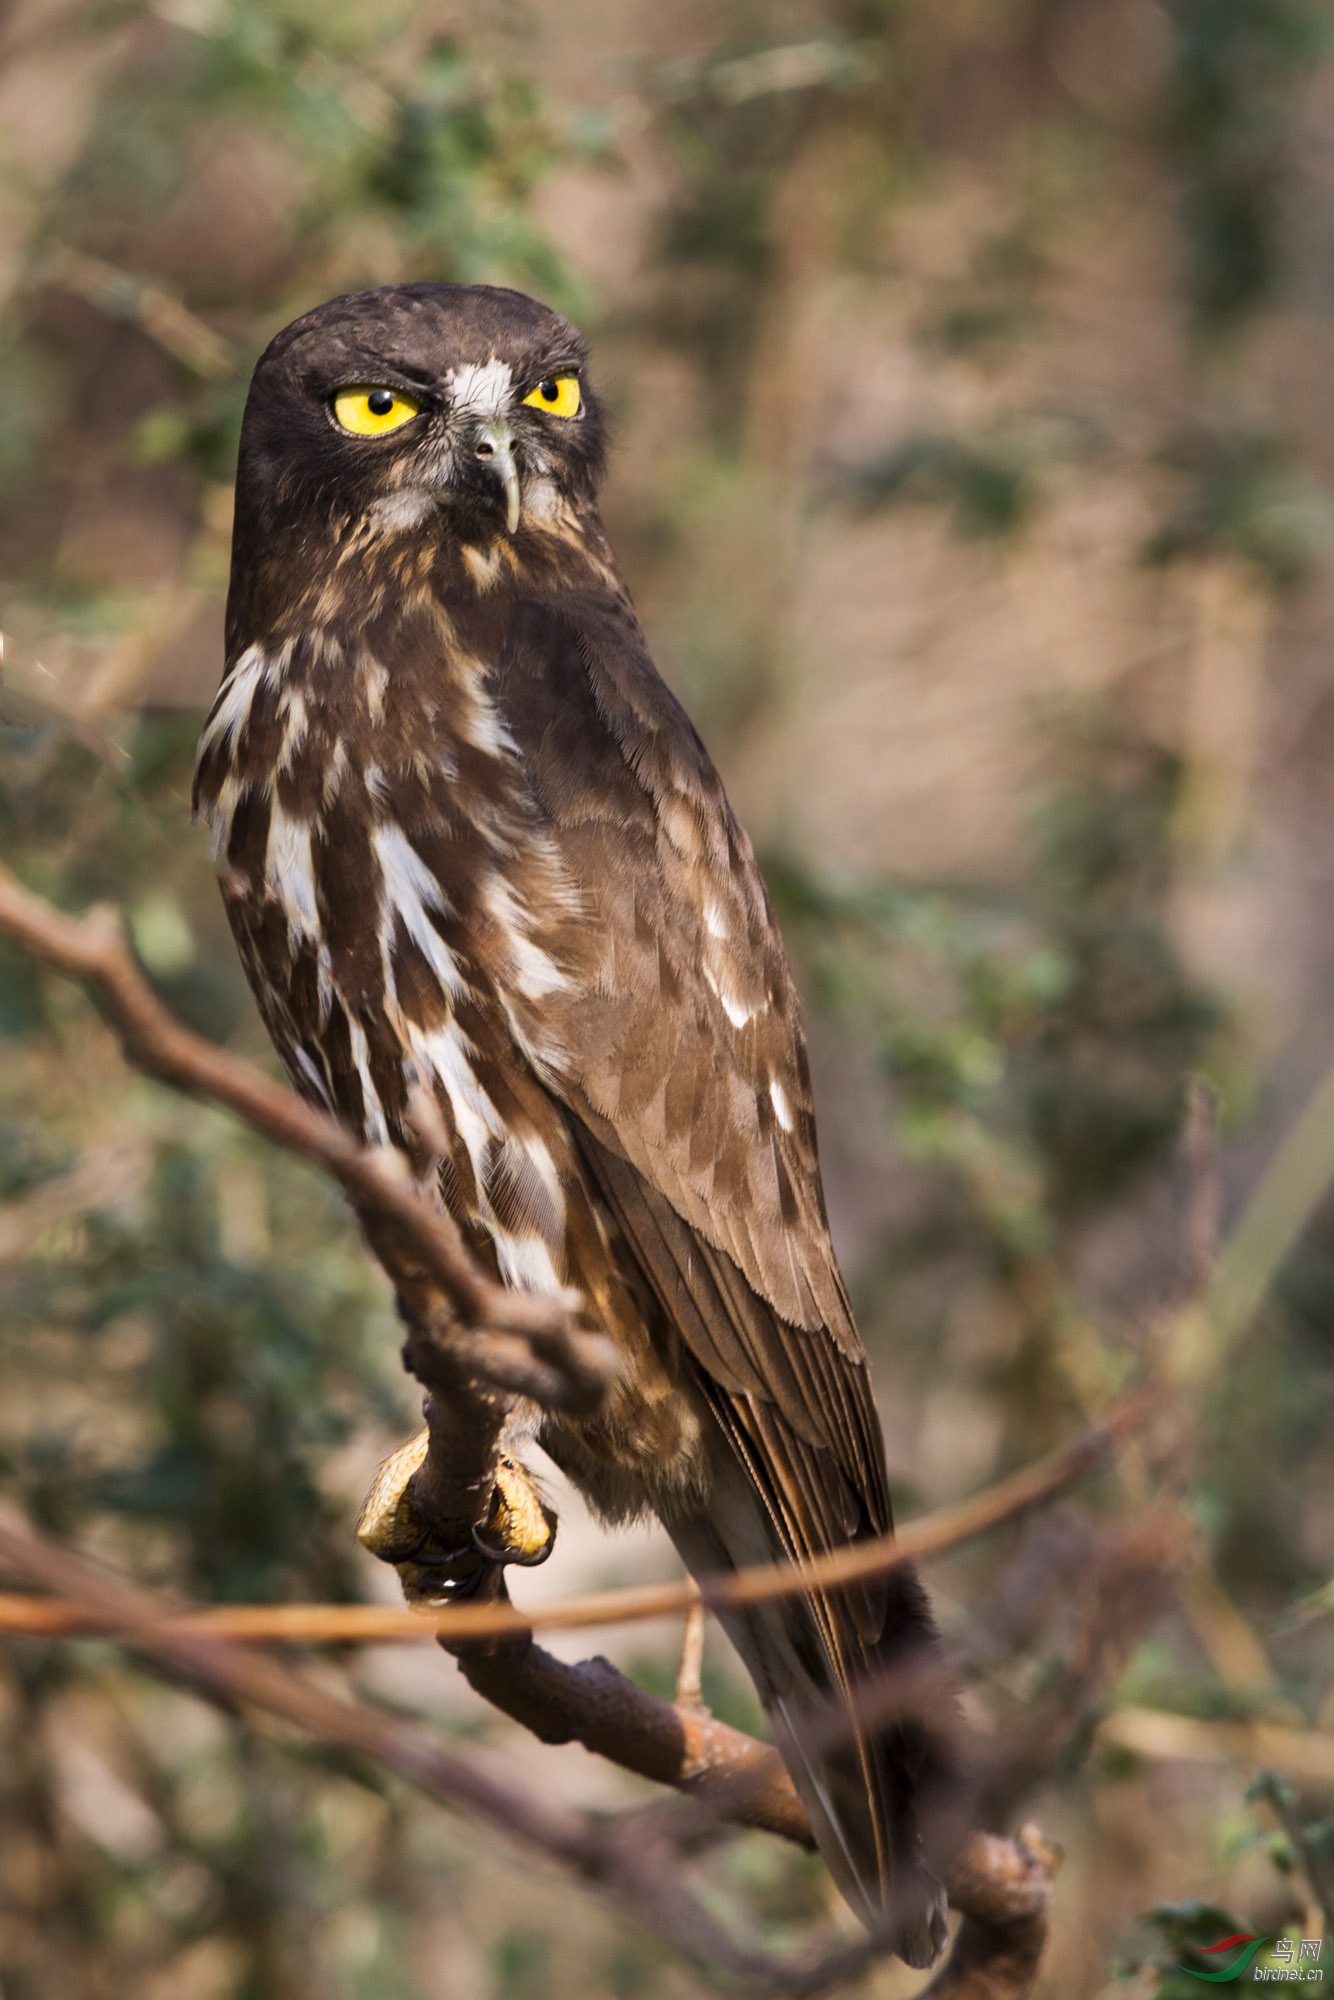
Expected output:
{"points": [[480, 389]]}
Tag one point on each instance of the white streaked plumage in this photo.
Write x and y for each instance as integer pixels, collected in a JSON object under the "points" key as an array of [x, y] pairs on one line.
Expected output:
{"points": [[374, 681], [536, 972], [736, 1009], [526, 1263], [296, 722], [444, 1054], [289, 873], [375, 1128], [307, 1069], [234, 698], [411, 893], [218, 815]]}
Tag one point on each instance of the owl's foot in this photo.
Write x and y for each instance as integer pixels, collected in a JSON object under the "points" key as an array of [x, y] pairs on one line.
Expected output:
{"points": [[517, 1527], [520, 1527]]}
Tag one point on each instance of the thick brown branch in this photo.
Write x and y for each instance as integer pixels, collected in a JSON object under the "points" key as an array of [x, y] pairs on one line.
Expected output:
{"points": [[593, 1704], [1003, 1888]]}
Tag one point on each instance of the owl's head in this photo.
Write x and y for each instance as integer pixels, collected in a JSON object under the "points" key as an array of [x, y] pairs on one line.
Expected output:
{"points": [[459, 406]]}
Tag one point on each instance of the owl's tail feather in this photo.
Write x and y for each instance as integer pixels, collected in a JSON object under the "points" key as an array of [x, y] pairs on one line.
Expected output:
{"points": [[871, 1771], [862, 1728], [867, 1766]]}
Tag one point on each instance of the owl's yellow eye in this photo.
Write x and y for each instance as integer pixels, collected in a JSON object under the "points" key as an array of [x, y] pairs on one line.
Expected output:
{"points": [[369, 413], [558, 395]]}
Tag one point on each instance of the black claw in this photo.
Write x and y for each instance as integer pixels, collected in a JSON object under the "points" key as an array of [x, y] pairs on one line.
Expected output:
{"points": [[504, 1557]]}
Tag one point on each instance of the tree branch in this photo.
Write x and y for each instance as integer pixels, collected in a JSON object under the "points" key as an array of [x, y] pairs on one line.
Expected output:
{"points": [[406, 1227], [476, 1345], [1003, 1887], [122, 295]]}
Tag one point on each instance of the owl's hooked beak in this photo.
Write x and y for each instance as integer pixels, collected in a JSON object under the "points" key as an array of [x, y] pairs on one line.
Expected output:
{"points": [[493, 447]]}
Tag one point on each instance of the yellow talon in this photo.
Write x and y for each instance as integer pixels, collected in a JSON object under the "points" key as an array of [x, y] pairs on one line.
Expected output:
{"points": [[519, 1527], [388, 1525]]}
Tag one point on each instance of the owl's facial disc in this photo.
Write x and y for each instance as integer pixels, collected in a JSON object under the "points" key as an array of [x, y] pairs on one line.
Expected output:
{"points": [[411, 421], [454, 411]]}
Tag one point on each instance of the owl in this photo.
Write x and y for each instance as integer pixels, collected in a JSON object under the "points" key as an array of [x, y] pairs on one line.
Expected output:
{"points": [[474, 847]]}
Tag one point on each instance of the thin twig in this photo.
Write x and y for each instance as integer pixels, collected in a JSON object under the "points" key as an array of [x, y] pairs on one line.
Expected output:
{"points": [[1204, 1189], [162, 316], [1153, 1733], [1280, 1206], [459, 1779], [1127, 1578], [690, 1672], [934, 1535]]}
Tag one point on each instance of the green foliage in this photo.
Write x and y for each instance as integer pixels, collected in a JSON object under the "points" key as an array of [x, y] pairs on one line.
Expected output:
{"points": [[1228, 120], [20, 994], [388, 151], [245, 1366], [1181, 1928], [739, 121], [994, 481], [1243, 495], [420, 142], [187, 1344], [519, 1959], [989, 486]]}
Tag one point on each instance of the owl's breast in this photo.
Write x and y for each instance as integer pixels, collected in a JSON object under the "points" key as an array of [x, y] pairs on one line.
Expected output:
{"points": [[385, 872]]}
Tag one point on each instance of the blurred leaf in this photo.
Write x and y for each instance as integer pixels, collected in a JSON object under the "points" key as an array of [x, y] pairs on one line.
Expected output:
{"points": [[1241, 495]]}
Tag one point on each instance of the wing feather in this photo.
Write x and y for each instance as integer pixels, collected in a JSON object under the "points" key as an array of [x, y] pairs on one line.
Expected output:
{"points": [[677, 1053], [681, 1019]]}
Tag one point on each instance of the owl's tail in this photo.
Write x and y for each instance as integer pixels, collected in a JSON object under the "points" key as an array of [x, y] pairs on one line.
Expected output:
{"points": [[869, 1768], [861, 1726]]}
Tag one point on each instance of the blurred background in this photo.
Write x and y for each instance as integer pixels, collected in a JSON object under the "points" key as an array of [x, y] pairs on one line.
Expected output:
{"points": [[969, 365]]}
